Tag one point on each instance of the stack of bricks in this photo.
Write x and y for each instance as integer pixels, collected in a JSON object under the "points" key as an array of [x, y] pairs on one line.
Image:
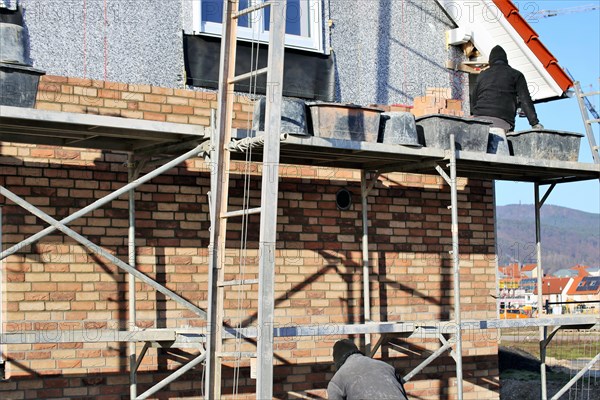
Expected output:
{"points": [[437, 101]]}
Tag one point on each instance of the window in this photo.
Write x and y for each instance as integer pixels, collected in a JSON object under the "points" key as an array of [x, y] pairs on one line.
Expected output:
{"points": [[303, 22]]}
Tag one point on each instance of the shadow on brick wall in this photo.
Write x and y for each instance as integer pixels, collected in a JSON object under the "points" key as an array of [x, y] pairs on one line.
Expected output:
{"points": [[307, 204]]}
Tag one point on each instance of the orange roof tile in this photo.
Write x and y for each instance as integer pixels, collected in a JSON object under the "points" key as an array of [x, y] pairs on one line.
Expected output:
{"points": [[584, 285], [531, 38], [528, 267], [553, 285], [576, 282]]}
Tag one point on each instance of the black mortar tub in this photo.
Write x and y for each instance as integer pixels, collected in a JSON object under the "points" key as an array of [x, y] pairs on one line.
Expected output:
{"points": [[545, 144], [18, 85], [470, 134]]}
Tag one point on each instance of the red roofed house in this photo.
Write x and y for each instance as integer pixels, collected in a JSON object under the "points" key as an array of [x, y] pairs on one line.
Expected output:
{"points": [[554, 290], [584, 288], [529, 270]]}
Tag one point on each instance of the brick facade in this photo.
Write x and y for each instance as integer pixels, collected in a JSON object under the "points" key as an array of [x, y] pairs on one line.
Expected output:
{"points": [[56, 284]]}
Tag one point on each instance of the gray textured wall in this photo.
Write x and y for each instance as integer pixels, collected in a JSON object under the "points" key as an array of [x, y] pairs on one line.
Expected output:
{"points": [[139, 43], [389, 51]]}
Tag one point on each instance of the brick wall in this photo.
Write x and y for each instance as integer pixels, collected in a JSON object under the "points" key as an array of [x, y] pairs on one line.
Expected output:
{"points": [[56, 284], [57, 93]]}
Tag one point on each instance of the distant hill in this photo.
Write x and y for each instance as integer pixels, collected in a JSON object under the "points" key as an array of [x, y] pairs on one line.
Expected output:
{"points": [[569, 237]]}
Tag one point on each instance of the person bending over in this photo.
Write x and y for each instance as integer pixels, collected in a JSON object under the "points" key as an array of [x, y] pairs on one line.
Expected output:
{"points": [[359, 377]]}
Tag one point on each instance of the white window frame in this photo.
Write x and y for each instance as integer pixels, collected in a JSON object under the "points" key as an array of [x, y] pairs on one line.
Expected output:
{"points": [[314, 25]]}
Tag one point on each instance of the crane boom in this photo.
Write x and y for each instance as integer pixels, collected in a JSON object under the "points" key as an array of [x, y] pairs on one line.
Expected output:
{"points": [[561, 11]]}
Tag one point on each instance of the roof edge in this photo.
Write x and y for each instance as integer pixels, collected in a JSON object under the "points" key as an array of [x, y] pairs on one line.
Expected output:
{"points": [[531, 38]]}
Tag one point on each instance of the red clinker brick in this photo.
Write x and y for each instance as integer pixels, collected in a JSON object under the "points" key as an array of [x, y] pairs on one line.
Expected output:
{"points": [[56, 383], [49, 393]]}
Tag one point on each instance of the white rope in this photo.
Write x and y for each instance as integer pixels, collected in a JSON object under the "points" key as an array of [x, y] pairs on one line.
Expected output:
{"points": [[255, 49]]}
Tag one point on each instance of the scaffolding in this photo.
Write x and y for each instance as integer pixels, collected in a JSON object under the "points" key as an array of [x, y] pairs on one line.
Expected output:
{"points": [[177, 143]]}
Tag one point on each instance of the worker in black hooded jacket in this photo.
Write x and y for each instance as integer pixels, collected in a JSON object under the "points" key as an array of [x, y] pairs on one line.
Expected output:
{"points": [[362, 378], [499, 91]]}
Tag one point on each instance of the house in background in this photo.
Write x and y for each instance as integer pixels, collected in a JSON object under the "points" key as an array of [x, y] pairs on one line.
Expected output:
{"points": [[151, 67], [586, 290], [554, 290], [566, 273], [529, 270]]}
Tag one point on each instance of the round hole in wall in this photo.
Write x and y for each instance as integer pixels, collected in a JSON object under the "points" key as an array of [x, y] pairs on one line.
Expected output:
{"points": [[343, 199]]}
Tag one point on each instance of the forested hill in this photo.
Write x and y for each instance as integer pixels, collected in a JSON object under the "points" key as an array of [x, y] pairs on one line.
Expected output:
{"points": [[569, 237]]}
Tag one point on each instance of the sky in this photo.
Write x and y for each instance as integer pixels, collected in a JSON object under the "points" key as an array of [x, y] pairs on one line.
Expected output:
{"points": [[574, 40]]}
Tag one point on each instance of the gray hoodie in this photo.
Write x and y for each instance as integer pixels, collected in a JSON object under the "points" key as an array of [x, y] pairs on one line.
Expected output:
{"points": [[362, 378]]}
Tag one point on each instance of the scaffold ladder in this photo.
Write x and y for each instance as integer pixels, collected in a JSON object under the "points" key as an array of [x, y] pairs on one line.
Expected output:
{"points": [[585, 105], [220, 161]]}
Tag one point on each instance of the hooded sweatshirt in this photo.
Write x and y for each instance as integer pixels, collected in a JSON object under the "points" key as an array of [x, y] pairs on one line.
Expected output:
{"points": [[500, 90], [363, 378]]}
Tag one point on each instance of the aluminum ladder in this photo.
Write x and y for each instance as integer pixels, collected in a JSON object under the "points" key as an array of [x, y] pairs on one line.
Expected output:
{"points": [[220, 214], [585, 105]]}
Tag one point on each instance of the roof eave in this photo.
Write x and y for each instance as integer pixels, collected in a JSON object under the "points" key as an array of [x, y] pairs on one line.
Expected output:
{"points": [[532, 40]]}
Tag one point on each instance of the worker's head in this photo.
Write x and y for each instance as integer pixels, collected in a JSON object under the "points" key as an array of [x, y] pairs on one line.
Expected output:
{"points": [[342, 349], [498, 54]]}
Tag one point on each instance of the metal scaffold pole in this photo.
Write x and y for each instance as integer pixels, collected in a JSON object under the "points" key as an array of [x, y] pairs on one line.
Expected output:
{"points": [[540, 290], [456, 267], [365, 255], [543, 329], [269, 197], [452, 182], [132, 349]]}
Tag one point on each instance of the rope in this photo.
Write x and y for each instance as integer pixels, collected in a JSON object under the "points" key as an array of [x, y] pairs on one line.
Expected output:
{"points": [[247, 144]]}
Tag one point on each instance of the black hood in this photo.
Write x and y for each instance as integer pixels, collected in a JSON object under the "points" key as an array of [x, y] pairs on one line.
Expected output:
{"points": [[498, 54], [342, 349]]}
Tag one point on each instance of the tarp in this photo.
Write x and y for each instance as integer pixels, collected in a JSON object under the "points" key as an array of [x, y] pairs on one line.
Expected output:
{"points": [[307, 75]]}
